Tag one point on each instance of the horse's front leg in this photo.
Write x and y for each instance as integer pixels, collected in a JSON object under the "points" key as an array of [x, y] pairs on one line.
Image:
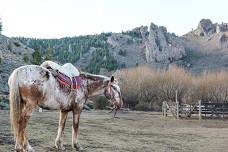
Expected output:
{"points": [[115, 113], [75, 129], [62, 121]]}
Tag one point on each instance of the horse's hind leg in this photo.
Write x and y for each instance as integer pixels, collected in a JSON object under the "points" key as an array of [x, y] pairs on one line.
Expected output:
{"points": [[75, 130], [62, 121], [22, 140]]}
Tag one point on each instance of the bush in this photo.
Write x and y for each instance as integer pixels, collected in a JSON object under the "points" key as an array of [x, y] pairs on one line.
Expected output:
{"points": [[36, 57], [0, 26], [143, 106], [26, 57], [1, 60], [122, 52], [137, 85], [143, 86], [17, 44], [100, 102], [211, 86], [145, 89]]}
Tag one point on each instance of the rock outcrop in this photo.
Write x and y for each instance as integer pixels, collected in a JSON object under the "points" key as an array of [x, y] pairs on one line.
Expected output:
{"points": [[207, 28], [155, 45], [207, 46], [162, 46]]}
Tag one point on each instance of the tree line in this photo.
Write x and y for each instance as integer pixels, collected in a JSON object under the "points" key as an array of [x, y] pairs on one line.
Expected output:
{"points": [[70, 49]]}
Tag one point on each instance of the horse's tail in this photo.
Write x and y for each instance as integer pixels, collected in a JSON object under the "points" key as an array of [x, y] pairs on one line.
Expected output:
{"points": [[15, 102]]}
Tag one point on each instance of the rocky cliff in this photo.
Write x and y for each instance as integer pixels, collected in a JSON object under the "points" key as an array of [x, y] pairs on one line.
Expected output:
{"points": [[207, 46], [141, 46], [162, 46]]}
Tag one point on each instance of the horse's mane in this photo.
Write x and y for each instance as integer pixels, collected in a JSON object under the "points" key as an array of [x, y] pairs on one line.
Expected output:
{"points": [[93, 77], [68, 68]]}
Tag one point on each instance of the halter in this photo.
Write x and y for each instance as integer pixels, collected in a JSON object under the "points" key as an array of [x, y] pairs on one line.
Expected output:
{"points": [[110, 96]]}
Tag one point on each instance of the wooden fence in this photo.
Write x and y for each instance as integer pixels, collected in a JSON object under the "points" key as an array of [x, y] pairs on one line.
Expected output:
{"points": [[202, 109]]}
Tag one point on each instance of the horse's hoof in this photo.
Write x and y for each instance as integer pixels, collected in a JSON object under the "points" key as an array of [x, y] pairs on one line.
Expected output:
{"points": [[29, 148], [59, 145], [78, 147], [18, 148]]}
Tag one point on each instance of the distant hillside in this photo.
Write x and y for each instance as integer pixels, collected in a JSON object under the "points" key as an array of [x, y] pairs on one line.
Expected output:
{"points": [[109, 51], [11, 56], [204, 48]]}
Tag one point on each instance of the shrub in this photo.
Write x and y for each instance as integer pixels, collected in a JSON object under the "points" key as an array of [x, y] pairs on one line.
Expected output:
{"points": [[211, 86], [17, 44], [143, 86], [1, 60], [122, 52], [0, 26], [143, 106], [135, 86], [172, 80], [26, 57], [100, 102], [36, 57]]}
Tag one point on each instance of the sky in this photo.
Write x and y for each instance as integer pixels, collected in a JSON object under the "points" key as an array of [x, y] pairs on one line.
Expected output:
{"points": [[64, 18]]}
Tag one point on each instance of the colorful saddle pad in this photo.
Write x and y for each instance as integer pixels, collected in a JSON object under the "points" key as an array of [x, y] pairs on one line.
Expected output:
{"points": [[65, 81]]}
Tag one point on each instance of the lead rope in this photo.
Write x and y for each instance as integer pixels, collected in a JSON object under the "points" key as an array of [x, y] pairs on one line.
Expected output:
{"points": [[86, 95]]}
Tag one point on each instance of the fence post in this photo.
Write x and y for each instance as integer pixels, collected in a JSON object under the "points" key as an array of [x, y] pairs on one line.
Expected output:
{"points": [[200, 110], [40, 110], [177, 104], [164, 109], [165, 106]]}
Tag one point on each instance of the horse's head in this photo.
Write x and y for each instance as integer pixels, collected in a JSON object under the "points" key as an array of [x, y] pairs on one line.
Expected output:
{"points": [[113, 94], [98, 85]]}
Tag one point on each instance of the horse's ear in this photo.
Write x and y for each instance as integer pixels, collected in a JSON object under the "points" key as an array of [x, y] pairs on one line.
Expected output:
{"points": [[112, 79]]}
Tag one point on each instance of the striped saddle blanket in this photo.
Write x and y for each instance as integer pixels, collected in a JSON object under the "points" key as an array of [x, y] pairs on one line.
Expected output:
{"points": [[68, 82]]}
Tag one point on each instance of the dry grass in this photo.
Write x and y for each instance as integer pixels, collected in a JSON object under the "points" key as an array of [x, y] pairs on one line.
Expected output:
{"points": [[133, 132]]}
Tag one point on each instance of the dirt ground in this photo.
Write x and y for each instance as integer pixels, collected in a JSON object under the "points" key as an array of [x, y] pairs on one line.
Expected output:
{"points": [[133, 132]]}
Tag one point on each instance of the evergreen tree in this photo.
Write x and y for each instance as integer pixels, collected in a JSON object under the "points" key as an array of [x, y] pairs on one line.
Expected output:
{"points": [[0, 25], [49, 54], [26, 57], [36, 57]]}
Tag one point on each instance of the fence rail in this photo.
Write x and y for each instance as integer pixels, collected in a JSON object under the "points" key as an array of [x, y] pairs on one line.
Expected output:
{"points": [[202, 109]]}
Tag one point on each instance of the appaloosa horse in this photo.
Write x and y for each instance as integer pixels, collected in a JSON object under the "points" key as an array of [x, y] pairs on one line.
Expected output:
{"points": [[31, 86]]}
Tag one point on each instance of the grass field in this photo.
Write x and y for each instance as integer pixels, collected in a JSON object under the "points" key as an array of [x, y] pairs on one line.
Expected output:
{"points": [[133, 132]]}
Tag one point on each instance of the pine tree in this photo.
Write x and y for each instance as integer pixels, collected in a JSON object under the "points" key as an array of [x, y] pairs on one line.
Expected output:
{"points": [[26, 57], [49, 54], [0, 25], [36, 57]]}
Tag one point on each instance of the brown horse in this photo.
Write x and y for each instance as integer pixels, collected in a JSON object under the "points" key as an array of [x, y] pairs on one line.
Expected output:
{"points": [[31, 86]]}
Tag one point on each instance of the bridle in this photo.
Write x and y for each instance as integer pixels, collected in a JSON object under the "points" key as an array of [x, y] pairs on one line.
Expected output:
{"points": [[109, 92], [110, 95]]}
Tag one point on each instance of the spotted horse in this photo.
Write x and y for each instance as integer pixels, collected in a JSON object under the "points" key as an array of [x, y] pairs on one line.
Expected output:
{"points": [[31, 86]]}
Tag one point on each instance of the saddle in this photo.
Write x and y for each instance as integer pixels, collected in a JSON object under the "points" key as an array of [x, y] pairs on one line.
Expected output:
{"points": [[67, 75]]}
